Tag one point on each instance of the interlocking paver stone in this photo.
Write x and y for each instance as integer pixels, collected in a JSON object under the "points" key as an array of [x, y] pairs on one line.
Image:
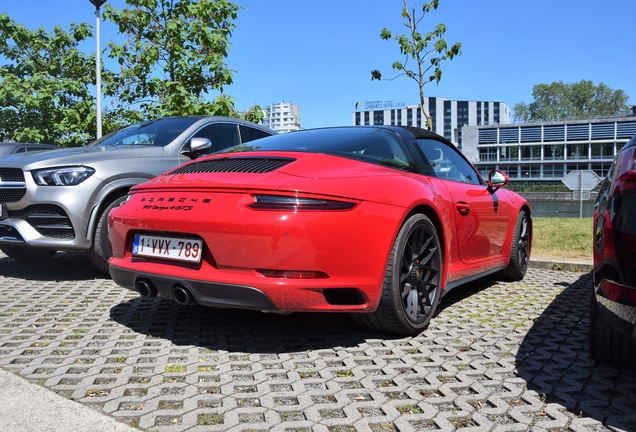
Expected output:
{"points": [[498, 357]]}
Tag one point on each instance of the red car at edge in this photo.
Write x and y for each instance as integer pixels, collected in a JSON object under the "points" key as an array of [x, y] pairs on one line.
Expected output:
{"points": [[377, 221]]}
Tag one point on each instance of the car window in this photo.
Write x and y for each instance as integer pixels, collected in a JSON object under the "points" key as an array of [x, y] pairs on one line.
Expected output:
{"points": [[221, 135], [447, 162], [250, 134], [367, 144], [20, 150], [160, 132]]}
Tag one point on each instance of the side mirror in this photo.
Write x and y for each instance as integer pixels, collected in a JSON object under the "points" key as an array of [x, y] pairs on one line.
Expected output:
{"points": [[497, 179], [198, 145]]}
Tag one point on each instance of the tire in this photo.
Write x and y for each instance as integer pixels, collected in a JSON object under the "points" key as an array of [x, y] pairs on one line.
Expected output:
{"points": [[100, 252], [411, 290], [519, 251], [27, 254], [606, 344]]}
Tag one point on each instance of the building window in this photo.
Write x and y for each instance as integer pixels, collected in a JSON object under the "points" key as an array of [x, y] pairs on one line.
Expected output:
{"points": [[578, 151], [553, 152], [530, 171], [577, 167], [488, 154], [555, 171], [393, 117], [366, 118], [378, 117], [511, 170], [357, 119], [603, 151], [509, 153], [601, 169], [531, 152]]}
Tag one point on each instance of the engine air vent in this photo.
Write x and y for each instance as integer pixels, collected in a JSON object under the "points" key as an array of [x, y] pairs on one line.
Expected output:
{"points": [[233, 165]]}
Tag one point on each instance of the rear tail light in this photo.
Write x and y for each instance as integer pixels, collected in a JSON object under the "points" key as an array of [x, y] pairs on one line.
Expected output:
{"points": [[628, 166], [282, 202]]}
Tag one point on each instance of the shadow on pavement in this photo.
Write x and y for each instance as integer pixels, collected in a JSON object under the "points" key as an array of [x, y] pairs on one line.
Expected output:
{"points": [[254, 331], [61, 266], [235, 330], [554, 360]]}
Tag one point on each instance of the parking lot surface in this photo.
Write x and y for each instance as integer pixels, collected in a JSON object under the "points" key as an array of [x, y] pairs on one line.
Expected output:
{"points": [[498, 356]]}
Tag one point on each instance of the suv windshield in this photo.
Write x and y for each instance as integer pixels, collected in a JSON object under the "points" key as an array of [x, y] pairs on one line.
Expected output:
{"points": [[152, 133]]}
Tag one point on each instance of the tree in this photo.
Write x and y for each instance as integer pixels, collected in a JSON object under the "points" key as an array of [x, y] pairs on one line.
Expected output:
{"points": [[45, 90], [521, 113], [426, 51], [559, 101], [173, 57]]}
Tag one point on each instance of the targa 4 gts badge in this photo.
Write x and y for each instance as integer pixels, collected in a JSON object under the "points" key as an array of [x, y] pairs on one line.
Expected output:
{"points": [[172, 203]]}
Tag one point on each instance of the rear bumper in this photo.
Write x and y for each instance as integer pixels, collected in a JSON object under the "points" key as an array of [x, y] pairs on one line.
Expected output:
{"points": [[245, 289], [204, 293], [617, 303]]}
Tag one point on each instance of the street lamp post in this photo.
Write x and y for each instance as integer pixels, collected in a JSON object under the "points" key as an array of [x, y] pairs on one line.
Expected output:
{"points": [[98, 67]]}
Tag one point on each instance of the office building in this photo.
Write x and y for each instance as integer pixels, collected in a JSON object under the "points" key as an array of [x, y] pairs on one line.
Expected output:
{"points": [[448, 116], [543, 153]]}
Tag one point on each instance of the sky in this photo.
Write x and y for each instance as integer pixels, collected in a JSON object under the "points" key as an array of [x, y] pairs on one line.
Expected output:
{"points": [[320, 54]]}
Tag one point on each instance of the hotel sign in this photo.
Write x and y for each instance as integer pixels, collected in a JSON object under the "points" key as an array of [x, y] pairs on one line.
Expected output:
{"points": [[383, 105]]}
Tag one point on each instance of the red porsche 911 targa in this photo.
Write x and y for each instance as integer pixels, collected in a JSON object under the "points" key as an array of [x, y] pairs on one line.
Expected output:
{"points": [[379, 221]]}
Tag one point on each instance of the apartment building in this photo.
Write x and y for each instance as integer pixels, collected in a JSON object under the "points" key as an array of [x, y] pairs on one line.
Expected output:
{"points": [[282, 117]]}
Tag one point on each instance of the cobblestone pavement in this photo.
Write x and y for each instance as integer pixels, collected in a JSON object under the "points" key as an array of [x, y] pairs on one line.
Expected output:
{"points": [[498, 356]]}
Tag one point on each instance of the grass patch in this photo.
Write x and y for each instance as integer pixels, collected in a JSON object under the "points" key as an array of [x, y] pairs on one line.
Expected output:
{"points": [[209, 419], [563, 237]]}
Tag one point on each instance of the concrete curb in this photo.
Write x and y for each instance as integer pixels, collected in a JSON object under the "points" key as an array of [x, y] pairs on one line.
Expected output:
{"points": [[29, 407], [573, 265]]}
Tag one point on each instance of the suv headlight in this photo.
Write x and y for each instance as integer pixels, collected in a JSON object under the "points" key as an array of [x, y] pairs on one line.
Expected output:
{"points": [[66, 176]]}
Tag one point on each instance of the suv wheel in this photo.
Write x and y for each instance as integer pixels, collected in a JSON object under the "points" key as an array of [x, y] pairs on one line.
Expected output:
{"points": [[27, 254], [100, 252]]}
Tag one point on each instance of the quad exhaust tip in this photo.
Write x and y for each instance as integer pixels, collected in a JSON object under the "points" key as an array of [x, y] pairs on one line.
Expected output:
{"points": [[145, 288], [182, 295]]}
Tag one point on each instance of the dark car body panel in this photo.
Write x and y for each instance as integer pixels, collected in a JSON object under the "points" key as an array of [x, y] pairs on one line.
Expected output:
{"points": [[614, 272]]}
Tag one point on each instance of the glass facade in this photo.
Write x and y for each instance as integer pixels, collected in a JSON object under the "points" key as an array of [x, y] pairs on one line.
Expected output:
{"points": [[552, 149]]}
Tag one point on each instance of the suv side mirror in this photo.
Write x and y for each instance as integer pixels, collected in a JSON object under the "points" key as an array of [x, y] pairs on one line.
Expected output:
{"points": [[198, 146], [497, 179]]}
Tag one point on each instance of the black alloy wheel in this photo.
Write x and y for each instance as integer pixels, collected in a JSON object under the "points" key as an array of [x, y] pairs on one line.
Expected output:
{"points": [[411, 290], [420, 273], [520, 250]]}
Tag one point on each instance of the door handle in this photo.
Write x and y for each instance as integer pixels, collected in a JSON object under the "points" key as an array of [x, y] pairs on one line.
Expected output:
{"points": [[463, 208]]}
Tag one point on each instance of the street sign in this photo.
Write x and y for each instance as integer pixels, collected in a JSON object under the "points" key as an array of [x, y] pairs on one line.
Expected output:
{"points": [[581, 180]]}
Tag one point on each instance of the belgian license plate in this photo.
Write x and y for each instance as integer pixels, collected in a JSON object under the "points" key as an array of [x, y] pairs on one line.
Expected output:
{"points": [[171, 248]]}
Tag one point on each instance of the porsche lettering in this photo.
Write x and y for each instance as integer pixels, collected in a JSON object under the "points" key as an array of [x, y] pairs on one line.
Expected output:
{"points": [[176, 200], [161, 208]]}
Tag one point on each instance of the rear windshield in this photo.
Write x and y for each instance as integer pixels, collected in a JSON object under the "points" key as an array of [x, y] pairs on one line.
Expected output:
{"points": [[159, 133], [374, 145]]}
